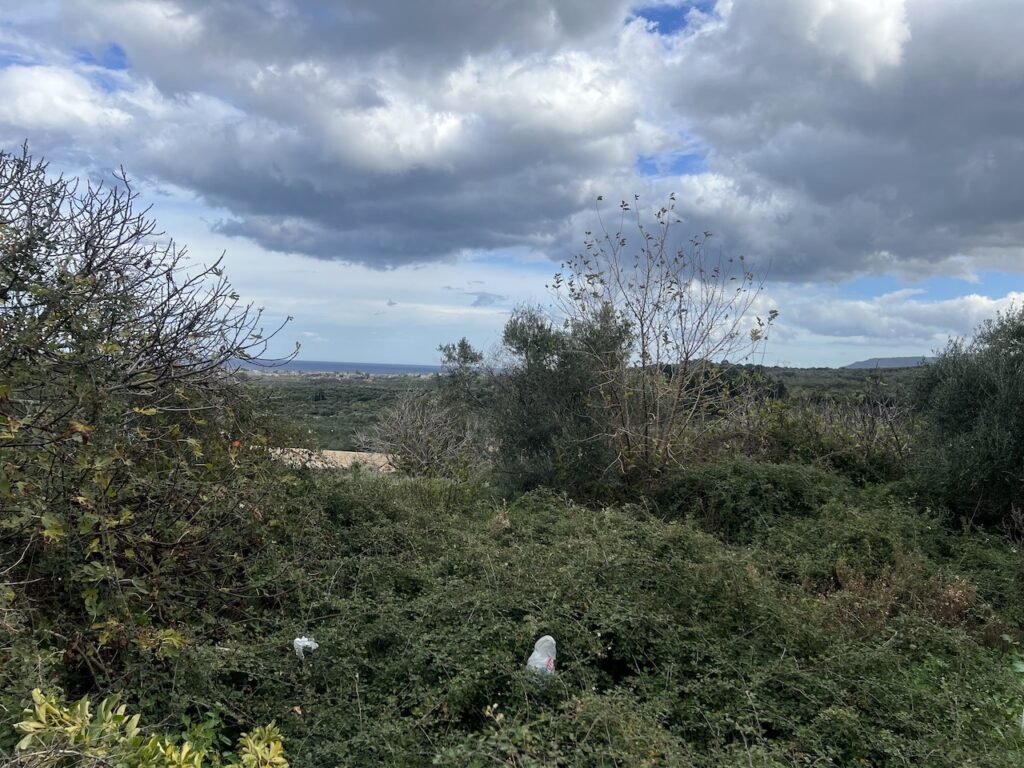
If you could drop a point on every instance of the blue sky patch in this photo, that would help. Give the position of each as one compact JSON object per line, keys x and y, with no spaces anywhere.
{"x":107,"y":82}
{"x":936,"y":288}
{"x":670,"y":19}
{"x":9,"y":58}
{"x":110,"y":56}
{"x":673,"y":164}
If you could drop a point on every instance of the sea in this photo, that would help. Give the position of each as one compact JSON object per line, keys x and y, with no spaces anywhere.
{"x":329,"y":366}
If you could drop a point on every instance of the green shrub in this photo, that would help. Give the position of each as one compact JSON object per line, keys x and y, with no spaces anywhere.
{"x":57,"y":735}
{"x":546,"y":418}
{"x":826,"y":640}
{"x":864,"y":537}
{"x":740,"y":498}
{"x":674,"y":648}
{"x":973,"y":399}
{"x":132,"y":469}
{"x":867,"y":437}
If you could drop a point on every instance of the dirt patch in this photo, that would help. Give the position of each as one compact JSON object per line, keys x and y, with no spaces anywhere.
{"x":334,"y":459}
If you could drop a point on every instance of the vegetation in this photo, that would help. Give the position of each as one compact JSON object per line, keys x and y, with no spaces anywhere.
{"x":323,"y":411}
{"x":816,"y":383}
{"x":423,"y":435}
{"x":654,"y":324}
{"x":130,"y":464}
{"x":58,"y":735}
{"x":777,"y":578}
{"x":974,"y":398}
{"x":634,"y":384}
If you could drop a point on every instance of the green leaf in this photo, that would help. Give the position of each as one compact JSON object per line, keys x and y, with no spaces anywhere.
{"x":53,"y":528}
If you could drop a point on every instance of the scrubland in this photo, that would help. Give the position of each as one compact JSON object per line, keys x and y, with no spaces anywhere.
{"x":737,"y":570}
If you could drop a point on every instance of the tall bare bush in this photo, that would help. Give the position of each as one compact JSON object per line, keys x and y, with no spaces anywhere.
{"x":688,"y":311}
{"x":425,"y":436}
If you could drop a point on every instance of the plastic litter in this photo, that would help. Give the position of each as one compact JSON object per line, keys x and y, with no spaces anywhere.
{"x":303,"y":644}
{"x":542,"y":660}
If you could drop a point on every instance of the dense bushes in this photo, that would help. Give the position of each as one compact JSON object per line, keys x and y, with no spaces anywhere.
{"x":848,"y":633}
{"x":739,"y":498}
{"x":853,"y":631}
{"x":973,"y":397}
{"x":735,"y":612}
{"x":549,"y":419}
{"x":131,"y":469}
{"x":865,"y":436}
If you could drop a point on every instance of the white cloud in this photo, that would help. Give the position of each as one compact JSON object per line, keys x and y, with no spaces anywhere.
{"x":904,"y":322}
{"x":47,"y":98}
{"x":832,"y":146}
{"x":571,"y":94}
{"x":868,"y":35}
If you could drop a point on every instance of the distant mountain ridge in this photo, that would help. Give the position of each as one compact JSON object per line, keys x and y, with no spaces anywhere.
{"x":892,"y":362}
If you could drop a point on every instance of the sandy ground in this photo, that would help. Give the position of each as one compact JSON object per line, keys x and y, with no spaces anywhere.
{"x":334,"y":459}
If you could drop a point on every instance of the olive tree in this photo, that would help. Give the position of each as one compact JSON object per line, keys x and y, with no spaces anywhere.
{"x":972,"y":395}
{"x":549,"y":429}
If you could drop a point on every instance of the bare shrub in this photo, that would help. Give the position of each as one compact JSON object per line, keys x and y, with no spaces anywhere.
{"x":866,"y":438}
{"x":423,"y":436}
{"x":688,"y":310}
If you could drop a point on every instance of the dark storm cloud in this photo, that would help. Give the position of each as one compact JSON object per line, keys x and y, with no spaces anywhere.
{"x":879,"y":135}
{"x":840,"y":137}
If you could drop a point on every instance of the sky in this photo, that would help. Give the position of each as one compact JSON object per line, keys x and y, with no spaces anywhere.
{"x":396,"y":174}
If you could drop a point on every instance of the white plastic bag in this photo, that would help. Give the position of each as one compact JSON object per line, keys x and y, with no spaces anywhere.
{"x":542,"y":660}
{"x":303,"y":644}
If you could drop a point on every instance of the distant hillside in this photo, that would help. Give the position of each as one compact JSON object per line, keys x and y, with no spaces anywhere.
{"x":892,"y":362}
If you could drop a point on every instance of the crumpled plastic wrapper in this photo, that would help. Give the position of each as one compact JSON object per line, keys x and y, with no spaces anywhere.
{"x":303,"y":644}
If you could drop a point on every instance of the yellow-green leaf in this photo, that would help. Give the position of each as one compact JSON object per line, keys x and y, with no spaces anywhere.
{"x":53,"y":528}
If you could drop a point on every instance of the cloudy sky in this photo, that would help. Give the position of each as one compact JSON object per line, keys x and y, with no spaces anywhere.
{"x":398,"y":173}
